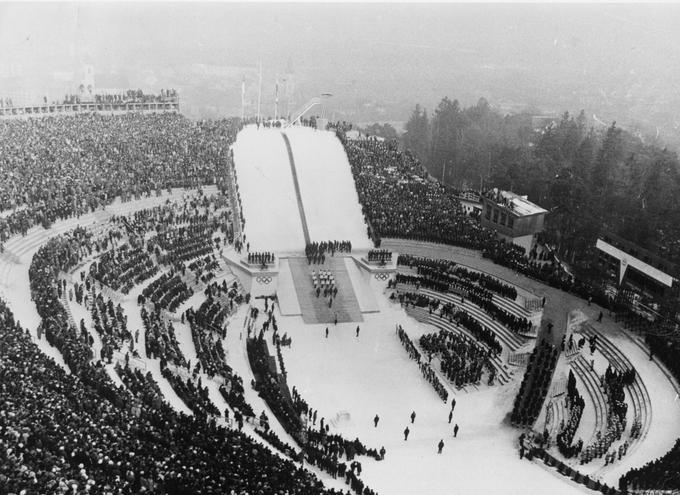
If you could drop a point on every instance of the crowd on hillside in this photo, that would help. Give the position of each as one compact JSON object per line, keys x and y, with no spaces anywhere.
{"x":79,"y":433}
{"x":399,"y":199}
{"x":53,"y":168}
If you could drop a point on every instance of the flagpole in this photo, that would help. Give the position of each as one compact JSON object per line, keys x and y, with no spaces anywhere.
{"x":276,"y":100}
{"x":243,"y":99}
{"x":259,"y":94}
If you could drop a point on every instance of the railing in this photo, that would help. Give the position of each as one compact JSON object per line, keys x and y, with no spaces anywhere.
{"x":75,"y":108}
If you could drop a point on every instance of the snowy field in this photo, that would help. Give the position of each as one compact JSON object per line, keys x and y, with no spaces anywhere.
{"x":329,"y":196}
{"x":268,"y":197}
{"x":350,"y":380}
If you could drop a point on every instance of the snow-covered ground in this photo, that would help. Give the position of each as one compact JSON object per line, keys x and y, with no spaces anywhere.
{"x":268,"y":199}
{"x":350,"y":379}
{"x":329,"y":196}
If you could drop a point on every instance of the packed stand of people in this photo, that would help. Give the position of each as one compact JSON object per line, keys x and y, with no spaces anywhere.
{"x":574,"y":404}
{"x":80,"y":433}
{"x":207,"y":331}
{"x":161,"y":342}
{"x":123,"y":267}
{"x":110,"y":323}
{"x":176,"y":245}
{"x":443,"y":276}
{"x":535,"y":384}
{"x":192,"y":392}
{"x":455,"y":315}
{"x":613,"y":383}
{"x":54,"y":168}
{"x":166,"y":292}
{"x":463,"y":361}
{"x":427,"y":372}
{"x":129,"y":96}
{"x":446,"y":266}
{"x":399,"y":199}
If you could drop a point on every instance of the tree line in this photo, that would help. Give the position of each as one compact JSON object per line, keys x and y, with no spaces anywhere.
{"x":590,"y":179}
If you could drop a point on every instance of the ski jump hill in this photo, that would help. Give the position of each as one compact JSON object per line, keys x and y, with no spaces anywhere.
{"x":296,"y":187}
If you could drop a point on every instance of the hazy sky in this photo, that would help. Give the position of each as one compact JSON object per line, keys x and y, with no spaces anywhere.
{"x":390,"y":56}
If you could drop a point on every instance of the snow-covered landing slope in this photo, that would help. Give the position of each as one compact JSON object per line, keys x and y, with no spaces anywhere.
{"x":329,"y":196}
{"x":268,"y":197}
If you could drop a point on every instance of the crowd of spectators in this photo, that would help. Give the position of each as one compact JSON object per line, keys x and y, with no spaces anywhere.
{"x":166,"y":292}
{"x":462,"y":360}
{"x":58,"y":167}
{"x":400,"y":199}
{"x":430,"y":265}
{"x":129,"y":96}
{"x":445,"y":276}
{"x":161,"y":342}
{"x":123,"y":267}
{"x":535,"y":384}
{"x":427,"y":372}
{"x":110,"y":323}
{"x":207,"y":332}
{"x":79,"y":433}
{"x":574,"y":404}
{"x":613,"y":383}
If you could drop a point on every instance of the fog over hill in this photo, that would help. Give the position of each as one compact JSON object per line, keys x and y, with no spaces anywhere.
{"x":618,"y":62}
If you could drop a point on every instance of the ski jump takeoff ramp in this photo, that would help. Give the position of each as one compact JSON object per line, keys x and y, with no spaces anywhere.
{"x":296,"y":187}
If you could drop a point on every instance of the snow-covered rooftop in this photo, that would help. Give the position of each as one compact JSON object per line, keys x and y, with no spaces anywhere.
{"x":519,"y":204}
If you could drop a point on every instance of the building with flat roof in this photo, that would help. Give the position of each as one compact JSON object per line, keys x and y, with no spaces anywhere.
{"x":512,"y":216}
{"x":637,"y":276}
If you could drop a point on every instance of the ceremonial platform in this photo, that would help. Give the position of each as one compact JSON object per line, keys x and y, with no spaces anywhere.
{"x":316,"y":309}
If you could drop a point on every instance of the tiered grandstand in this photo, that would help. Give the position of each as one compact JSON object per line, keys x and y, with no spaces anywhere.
{"x":218,"y":308}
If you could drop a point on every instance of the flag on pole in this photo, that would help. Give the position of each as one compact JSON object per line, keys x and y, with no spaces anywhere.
{"x":276,"y":100}
{"x":243,"y":98}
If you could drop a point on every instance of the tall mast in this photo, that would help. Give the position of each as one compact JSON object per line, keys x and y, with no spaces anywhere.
{"x":276,"y":99}
{"x":259,"y":94}
{"x":243,"y":99}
